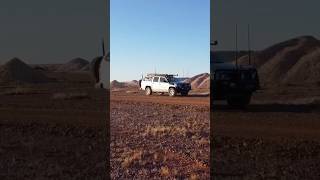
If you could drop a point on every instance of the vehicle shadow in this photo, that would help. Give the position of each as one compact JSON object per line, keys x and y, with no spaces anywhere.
{"x":180,"y":96}
{"x":197,"y":95}
{"x":299,"y":108}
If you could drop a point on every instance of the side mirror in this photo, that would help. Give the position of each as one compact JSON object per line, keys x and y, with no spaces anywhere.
{"x":214,"y":43}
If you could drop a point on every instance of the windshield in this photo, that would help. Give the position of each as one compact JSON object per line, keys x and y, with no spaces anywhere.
{"x":233,"y":75}
{"x":249,"y":75}
{"x":224,"y":75}
{"x":171,"y":79}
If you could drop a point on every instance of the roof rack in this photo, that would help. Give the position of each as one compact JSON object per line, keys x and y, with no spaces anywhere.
{"x":155,"y":74}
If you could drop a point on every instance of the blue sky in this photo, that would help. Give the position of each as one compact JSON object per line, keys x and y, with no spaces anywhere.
{"x":167,"y":36}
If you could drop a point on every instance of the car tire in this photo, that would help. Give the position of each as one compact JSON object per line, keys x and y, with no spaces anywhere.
{"x":140,"y":83}
{"x":172,"y":92}
{"x":185,"y":93}
{"x":148,"y":91}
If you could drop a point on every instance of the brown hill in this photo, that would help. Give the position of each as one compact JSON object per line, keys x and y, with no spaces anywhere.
{"x":117,"y":84}
{"x":77,"y":64}
{"x":295,"y":61}
{"x":16,"y":70}
{"x":200,"y":81}
{"x":131,"y":84}
{"x":205,"y":84}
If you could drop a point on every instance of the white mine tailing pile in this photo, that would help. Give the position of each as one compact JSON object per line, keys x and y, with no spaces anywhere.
{"x":77,"y":64}
{"x":296,"y":61}
{"x":15,"y":70}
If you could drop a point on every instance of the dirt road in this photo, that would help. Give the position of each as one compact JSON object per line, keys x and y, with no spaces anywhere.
{"x":198,"y":99}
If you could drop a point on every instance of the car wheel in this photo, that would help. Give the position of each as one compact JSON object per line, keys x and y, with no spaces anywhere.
{"x":184,"y":93}
{"x":148,"y":91}
{"x":172,"y":92}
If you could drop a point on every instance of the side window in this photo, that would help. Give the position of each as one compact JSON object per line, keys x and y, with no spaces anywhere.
{"x":146,"y":79}
{"x":155,"y":79}
{"x":162,"y":79}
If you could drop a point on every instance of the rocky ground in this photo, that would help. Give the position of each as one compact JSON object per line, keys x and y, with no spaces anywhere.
{"x":54,"y":130}
{"x":259,"y":158}
{"x":276,"y":137}
{"x":159,"y":137}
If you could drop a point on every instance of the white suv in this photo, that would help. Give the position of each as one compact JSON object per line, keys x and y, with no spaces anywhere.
{"x":163,"y":83}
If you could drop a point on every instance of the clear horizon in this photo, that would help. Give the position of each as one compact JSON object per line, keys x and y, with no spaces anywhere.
{"x":160,"y":36}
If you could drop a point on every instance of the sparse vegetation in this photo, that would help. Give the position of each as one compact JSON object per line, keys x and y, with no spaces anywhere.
{"x":165,"y":130}
{"x":131,"y":157}
{"x":19,"y":90}
{"x":164,"y":171}
{"x":47,"y":138}
{"x":71,"y":96}
{"x":151,"y":140}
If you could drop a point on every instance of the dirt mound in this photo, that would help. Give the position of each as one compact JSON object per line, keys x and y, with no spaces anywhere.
{"x":117,"y":84}
{"x":205,"y":84}
{"x":200,"y":81}
{"x":77,"y":64}
{"x":295,"y":61}
{"x":133,"y":83}
{"x":129,"y":84}
{"x":15,"y":70}
{"x":306,"y":70}
{"x":85,"y":68}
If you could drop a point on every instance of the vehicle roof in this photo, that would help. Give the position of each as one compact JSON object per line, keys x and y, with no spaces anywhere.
{"x":164,"y":75}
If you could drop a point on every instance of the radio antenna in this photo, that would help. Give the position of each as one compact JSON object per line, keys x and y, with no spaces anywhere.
{"x":103,"y":49}
{"x":236,"y":44}
{"x":249,"y":45}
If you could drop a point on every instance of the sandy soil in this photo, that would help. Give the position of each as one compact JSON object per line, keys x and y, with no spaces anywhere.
{"x":159,"y":137}
{"x":55,"y":130}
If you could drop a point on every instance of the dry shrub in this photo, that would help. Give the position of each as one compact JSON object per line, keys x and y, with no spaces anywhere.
{"x":165,"y":130}
{"x":194,"y":177}
{"x":19,"y":91}
{"x":164,"y":171}
{"x":200,"y":165}
{"x":71,"y":96}
{"x":203,"y":141}
{"x":129,"y":160}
